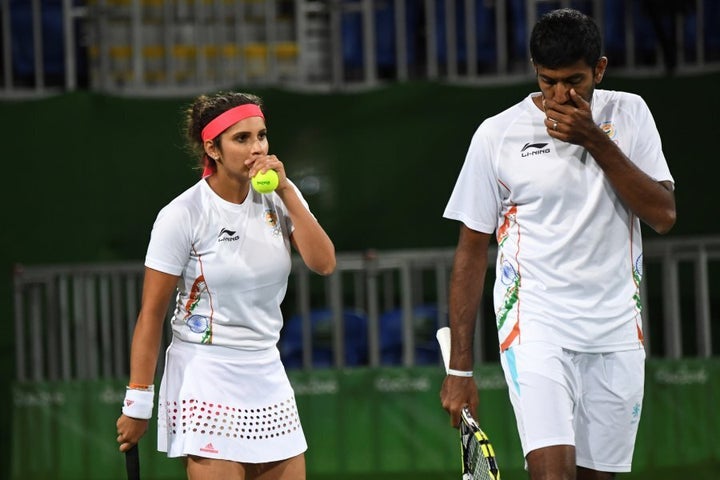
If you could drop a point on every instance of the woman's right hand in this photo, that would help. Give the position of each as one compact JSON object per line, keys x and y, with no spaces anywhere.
{"x":129,"y":431}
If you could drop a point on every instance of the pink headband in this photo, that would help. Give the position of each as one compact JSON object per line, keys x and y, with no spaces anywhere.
{"x":230,"y":117}
{"x":222,"y":122}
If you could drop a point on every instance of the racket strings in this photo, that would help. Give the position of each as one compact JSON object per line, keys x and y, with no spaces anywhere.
{"x":478,"y":456}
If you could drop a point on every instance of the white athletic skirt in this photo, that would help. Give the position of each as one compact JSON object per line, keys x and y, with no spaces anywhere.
{"x":226,"y":403}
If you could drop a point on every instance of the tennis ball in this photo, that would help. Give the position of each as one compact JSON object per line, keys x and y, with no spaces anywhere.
{"x":265,"y":182}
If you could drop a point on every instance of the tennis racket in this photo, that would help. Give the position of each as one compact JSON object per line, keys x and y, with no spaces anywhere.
{"x":132,"y":463}
{"x":477,"y":453}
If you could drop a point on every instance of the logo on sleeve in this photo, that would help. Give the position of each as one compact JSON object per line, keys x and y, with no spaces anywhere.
{"x":531,"y":149}
{"x":226,"y":235}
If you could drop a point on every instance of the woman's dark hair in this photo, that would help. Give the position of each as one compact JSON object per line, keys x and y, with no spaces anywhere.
{"x":203,"y":110}
{"x":562,"y":37}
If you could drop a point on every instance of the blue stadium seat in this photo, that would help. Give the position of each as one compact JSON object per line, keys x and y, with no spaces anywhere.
{"x":484,"y":32}
{"x":352,"y":46}
{"x":385,"y":45}
{"x":426,"y":323}
{"x":646,"y":39}
{"x":712,"y":35}
{"x":614,"y":30}
{"x":356,"y":340}
{"x":23,"y":54}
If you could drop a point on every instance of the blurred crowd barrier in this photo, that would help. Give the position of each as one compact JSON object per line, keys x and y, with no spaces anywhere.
{"x":175,"y":47}
{"x":75,"y":322}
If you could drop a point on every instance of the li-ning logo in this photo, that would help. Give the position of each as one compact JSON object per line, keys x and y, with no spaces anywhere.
{"x":538,"y":149}
{"x":229,"y":235}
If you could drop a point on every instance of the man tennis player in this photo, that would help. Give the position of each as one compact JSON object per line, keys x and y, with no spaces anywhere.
{"x":563,"y":179}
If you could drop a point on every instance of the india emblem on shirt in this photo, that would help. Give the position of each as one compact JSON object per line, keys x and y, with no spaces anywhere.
{"x":197,"y":323}
{"x":608,"y":128}
{"x":271,"y":219}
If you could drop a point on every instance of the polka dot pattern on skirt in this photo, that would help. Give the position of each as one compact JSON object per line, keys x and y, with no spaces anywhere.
{"x":208,"y":418}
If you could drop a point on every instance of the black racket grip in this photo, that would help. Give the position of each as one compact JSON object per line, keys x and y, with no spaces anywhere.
{"x":132,"y":463}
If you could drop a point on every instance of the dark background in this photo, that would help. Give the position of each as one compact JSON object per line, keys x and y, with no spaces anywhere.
{"x":87,"y":172}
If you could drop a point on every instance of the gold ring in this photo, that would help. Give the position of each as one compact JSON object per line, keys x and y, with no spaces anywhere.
{"x":555,"y":126}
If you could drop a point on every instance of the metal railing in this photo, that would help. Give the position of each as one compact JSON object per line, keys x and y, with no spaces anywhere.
{"x":76,"y":321}
{"x":687,"y":268}
{"x":170,"y":47}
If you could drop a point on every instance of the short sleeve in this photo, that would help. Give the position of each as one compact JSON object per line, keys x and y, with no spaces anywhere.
{"x":647,"y":151}
{"x":475,"y":199}
{"x":170,"y":241}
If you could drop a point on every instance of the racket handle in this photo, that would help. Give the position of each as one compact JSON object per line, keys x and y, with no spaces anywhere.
{"x":132,"y":463}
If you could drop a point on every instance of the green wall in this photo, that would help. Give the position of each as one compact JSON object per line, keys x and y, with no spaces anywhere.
{"x":87,"y":172}
{"x":368,"y":424}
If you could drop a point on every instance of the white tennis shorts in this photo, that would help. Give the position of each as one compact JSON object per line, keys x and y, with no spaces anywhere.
{"x":227,"y":403}
{"x":590,"y":400}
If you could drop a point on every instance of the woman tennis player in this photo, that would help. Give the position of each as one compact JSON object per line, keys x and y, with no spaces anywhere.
{"x":225,"y":405}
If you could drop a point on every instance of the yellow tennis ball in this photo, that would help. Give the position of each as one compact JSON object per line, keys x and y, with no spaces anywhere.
{"x":265,"y":182}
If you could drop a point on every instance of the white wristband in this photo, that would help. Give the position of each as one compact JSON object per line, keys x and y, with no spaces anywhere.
{"x":459,"y":373}
{"x":138,"y":403}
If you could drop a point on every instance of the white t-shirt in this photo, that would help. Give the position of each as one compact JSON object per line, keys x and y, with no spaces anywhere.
{"x":569,"y":258}
{"x":233,"y":262}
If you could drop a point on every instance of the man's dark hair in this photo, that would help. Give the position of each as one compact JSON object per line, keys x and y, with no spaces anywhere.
{"x":562,"y":37}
